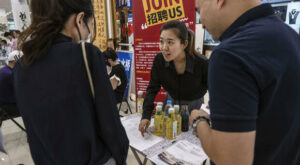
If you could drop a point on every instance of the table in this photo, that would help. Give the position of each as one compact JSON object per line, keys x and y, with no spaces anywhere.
{"x":151,"y":145}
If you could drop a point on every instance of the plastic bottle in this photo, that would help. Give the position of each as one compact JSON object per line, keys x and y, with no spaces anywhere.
{"x":171,"y":125}
{"x":140,"y":102}
{"x":185,"y":118}
{"x":161,"y":104}
{"x":169,"y":105}
{"x":178,"y":118}
{"x":158,"y":121}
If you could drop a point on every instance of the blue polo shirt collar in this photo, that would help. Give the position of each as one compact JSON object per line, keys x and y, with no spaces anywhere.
{"x":252,"y":14}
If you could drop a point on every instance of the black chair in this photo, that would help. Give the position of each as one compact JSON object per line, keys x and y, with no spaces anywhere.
{"x":4,"y":115}
{"x":125,"y":100}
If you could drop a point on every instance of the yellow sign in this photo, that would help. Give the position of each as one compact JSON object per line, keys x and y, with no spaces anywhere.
{"x":101,"y":30}
{"x":161,"y":11}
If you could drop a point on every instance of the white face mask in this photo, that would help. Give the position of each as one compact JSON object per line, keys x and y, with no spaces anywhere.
{"x":87,"y":40}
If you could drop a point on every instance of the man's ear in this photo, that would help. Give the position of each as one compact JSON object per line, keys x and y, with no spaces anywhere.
{"x":79,"y":18}
{"x":220,"y":3}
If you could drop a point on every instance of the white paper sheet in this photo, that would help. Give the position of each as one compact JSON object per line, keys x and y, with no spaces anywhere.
{"x":184,"y":152}
{"x":203,"y":106}
{"x":136,"y":140}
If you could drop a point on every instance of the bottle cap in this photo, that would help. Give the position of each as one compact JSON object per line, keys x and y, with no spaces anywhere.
{"x":160,"y":103}
{"x":171,"y":110}
{"x":140,"y":92}
{"x":176,"y":106}
{"x":169,"y":101}
{"x":158,"y":107}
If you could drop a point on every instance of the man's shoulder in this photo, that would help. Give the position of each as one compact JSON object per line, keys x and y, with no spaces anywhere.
{"x":258,"y":36}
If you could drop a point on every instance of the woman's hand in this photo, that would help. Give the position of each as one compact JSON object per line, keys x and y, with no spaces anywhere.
{"x":144,"y":124}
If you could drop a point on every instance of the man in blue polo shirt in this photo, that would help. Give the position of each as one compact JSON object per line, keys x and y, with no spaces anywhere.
{"x":7,"y":97}
{"x":254,"y":86}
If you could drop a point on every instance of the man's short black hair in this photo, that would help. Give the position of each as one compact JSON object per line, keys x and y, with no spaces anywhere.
{"x":109,"y":53}
{"x":4,"y":41}
{"x":6,"y":34}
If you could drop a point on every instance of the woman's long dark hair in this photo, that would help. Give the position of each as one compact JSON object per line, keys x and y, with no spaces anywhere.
{"x":48,"y":19}
{"x":184,"y":34}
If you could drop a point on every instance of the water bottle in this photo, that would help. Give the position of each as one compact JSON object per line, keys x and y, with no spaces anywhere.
{"x":169,"y":105}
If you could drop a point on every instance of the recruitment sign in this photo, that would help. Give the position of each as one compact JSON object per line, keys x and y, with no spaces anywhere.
{"x":148,"y":17}
{"x":161,"y":11}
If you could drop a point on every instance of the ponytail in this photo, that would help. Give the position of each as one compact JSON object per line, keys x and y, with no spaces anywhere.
{"x":190,"y":49}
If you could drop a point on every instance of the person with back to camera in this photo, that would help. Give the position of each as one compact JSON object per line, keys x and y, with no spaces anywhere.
{"x":65,"y":124}
{"x":117,"y":76}
{"x":254,"y":86}
{"x":179,"y":69}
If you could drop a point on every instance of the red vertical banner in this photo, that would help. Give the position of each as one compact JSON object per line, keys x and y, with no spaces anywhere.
{"x":148,"y":17}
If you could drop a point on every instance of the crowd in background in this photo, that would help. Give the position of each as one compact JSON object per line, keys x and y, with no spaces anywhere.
{"x":9,"y":43}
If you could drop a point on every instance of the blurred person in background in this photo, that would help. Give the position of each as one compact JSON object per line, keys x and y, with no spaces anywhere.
{"x":64,"y":123}
{"x":5,"y":48}
{"x":16,"y":34}
{"x":9,"y":38}
{"x":117,"y":76}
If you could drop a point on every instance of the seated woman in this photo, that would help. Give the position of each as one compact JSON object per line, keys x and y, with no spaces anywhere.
{"x":117,"y":76}
{"x":179,"y":69}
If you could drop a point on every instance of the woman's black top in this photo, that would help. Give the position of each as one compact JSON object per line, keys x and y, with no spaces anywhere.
{"x":190,"y":85}
{"x":63,"y":123}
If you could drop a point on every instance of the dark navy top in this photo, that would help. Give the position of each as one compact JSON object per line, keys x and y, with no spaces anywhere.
{"x":64,"y":126}
{"x":6,"y":86}
{"x":254,"y":85}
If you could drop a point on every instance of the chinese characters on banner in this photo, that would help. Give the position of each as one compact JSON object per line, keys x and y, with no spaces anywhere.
{"x":101,"y":30}
{"x":125,"y":58}
{"x":21,"y":14}
{"x":158,"y":12}
{"x":148,"y":17}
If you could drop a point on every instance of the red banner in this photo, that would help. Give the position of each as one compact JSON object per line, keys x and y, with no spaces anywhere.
{"x":148,"y":17}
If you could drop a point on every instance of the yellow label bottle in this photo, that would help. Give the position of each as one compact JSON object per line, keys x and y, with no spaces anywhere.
{"x":158,"y":122}
{"x":140,"y":102}
{"x":178,"y":118}
{"x":171,"y":125}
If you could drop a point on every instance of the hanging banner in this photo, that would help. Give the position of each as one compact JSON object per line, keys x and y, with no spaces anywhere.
{"x":121,"y":3}
{"x":125,"y":58}
{"x":129,"y":4}
{"x":21,"y":14}
{"x":293,"y":16}
{"x":3,"y":21}
{"x":101,"y":30}
{"x":148,"y":17}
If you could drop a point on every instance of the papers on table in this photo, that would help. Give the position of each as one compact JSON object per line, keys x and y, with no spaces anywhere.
{"x":136,"y":140}
{"x":182,"y":152}
{"x":203,"y":106}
